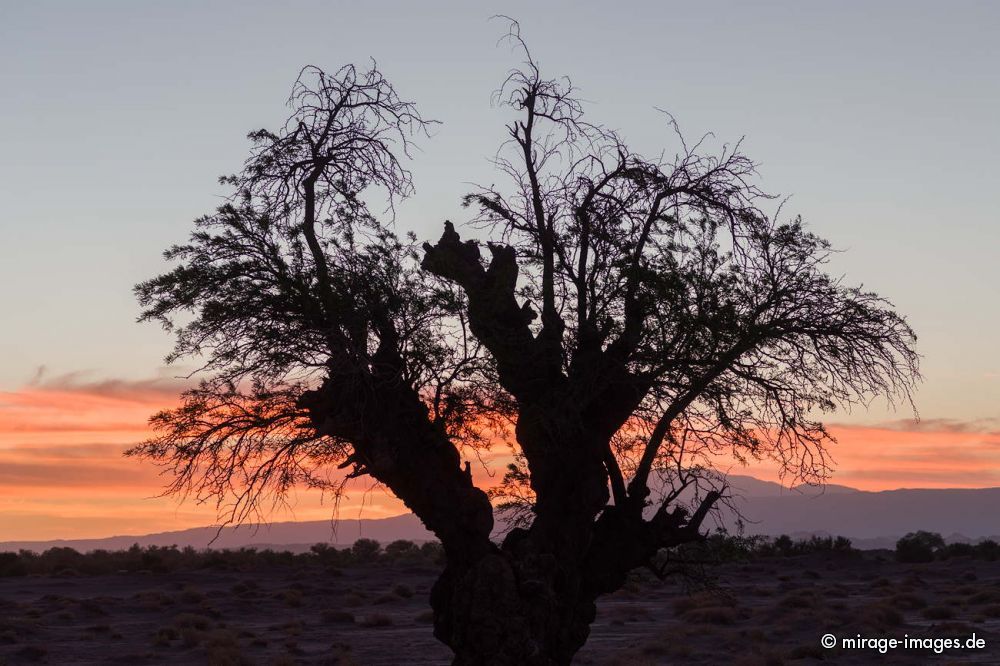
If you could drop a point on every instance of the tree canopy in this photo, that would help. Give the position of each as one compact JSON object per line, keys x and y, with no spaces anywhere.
{"x":625,"y":319}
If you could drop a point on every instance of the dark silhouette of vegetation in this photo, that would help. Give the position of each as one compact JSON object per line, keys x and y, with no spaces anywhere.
{"x":785,"y":546}
{"x":924,"y":546}
{"x":696,"y":561}
{"x":717,"y":548}
{"x":987,"y":549}
{"x":63,"y":561}
{"x":918,"y":546}
{"x":623,"y":320}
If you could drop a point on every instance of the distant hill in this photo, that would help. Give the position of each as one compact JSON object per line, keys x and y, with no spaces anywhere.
{"x":862,"y":515}
{"x":297,"y":536}
{"x":870,"y":519}
{"x":748,"y":486}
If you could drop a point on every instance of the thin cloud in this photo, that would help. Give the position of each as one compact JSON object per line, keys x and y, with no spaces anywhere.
{"x":68,"y":406}
{"x":99,"y":476}
{"x":984,"y":425}
{"x":142,"y":390}
{"x":99,"y":467}
{"x":945,"y":454}
{"x":943,"y":477}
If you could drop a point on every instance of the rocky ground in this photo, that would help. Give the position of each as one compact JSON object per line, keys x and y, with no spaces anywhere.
{"x":769,"y":611}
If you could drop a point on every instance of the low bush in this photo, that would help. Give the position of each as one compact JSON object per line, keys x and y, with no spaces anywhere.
{"x":62,"y":561}
{"x":919,"y":547}
{"x":375,"y":620}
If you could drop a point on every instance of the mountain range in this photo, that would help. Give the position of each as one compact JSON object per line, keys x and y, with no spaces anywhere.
{"x":869,"y":519}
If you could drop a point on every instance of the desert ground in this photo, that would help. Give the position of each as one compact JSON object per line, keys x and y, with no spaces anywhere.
{"x":771,"y":610}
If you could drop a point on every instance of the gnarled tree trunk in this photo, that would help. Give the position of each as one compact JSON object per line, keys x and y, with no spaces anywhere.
{"x":514,"y":606}
{"x":530,"y":602}
{"x":531,"y":599}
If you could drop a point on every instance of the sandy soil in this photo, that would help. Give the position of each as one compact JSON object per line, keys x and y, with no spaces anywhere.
{"x":772,"y":611}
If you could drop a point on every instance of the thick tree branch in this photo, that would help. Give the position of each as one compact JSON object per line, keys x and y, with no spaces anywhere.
{"x":494,"y":315}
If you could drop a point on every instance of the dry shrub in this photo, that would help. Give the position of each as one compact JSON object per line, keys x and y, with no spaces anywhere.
{"x":686,"y":603}
{"x":952,"y":629}
{"x":879,"y":617}
{"x":633,"y":659}
{"x":334,"y":615}
{"x":193,"y":621}
{"x":807,"y":652}
{"x":763,"y":659}
{"x":622,"y":613}
{"x":353,"y":600}
{"x":402,"y":590}
{"x":712,"y":615}
{"x":206,"y":608}
{"x":988,"y":596}
{"x":992,"y":610}
{"x":191,"y":636}
{"x":164,"y":635}
{"x":800,"y":599}
{"x":152,"y":599}
{"x":707,"y":608}
{"x":375,"y":620}
{"x":292,"y":597}
{"x":32,"y":653}
{"x":222,"y":648}
{"x":836,"y":592}
{"x":92,"y":607}
{"x":191,"y":595}
{"x":938,"y":613}
{"x":339,"y":654}
{"x":907,"y":601}
{"x":291,"y":628}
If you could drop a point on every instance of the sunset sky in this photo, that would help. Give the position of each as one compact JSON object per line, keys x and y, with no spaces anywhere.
{"x":878,"y":120}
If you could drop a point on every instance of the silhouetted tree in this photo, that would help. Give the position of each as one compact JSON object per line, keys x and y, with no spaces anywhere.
{"x":919,"y":546}
{"x":632,"y":317}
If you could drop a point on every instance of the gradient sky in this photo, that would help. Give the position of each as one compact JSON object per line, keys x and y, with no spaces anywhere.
{"x":878,"y":119}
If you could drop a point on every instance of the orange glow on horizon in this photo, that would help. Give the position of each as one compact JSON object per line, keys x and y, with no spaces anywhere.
{"x":62,"y":474}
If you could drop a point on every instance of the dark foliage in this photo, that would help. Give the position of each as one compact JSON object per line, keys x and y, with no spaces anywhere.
{"x":785,"y":546}
{"x":155,"y":559}
{"x":987,"y":549}
{"x":923,"y":546}
{"x":919,"y":546}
